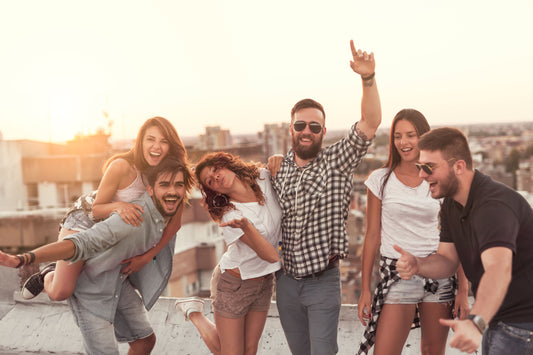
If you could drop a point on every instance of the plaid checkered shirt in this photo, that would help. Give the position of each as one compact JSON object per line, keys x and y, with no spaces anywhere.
{"x":315,"y":201}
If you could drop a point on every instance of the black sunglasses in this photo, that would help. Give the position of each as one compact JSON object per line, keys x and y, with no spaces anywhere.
{"x":314,"y":127}
{"x":428,"y":167}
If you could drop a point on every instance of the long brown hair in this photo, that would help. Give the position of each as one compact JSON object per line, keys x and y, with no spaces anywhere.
{"x":417,"y":119}
{"x":135,"y":155}
{"x":218,"y":204}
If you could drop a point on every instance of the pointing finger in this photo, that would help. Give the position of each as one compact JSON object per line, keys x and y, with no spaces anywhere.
{"x":447,"y":322}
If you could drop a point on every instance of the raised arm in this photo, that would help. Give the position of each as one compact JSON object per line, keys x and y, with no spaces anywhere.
{"x":117,"y":171}
{"x":365,"y":65}
{"x":254,"y":239}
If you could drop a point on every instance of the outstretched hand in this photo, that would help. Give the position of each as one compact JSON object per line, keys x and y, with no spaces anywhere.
{"x":8,"y":260}
{"x":362,"y":63}
{"x":466,"y":336}
{"x":407,"y":264}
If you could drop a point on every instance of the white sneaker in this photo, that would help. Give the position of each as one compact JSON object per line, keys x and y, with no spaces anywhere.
{"x":190,"y":304}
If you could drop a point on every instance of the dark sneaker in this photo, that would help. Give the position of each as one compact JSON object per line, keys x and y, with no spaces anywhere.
{"x":35,"y":283}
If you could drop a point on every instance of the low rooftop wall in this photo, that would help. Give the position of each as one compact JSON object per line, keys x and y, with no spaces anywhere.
{"x":41,"y":326}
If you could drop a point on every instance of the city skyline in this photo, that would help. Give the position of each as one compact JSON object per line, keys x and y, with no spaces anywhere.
{"x":241,"y":64}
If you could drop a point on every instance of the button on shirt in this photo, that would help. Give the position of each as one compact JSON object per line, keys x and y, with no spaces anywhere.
{"x":315,"y":201}
{"x":109,"y":242}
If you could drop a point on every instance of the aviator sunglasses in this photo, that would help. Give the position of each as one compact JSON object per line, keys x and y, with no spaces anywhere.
{"x":428,"y":167}
{"x":314,"y":127}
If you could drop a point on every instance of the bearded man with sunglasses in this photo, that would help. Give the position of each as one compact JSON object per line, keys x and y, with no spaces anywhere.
{"x":314,"y":186}
{"x":488,"y":227}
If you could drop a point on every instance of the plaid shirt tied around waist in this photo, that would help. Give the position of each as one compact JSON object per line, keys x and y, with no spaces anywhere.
{"x":389,"y":275}
{"x":315,"y":201}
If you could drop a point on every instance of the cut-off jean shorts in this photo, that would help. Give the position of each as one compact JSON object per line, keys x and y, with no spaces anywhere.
{"x":234,"y":297}
{"x":100,"y":336}
{"x":412,"y":292}
{"x":77,"y":221}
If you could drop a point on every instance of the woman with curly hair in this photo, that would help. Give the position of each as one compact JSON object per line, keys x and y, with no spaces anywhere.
{"x":240,"y":198}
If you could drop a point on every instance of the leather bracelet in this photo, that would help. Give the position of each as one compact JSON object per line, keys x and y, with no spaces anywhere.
{"x":21,"y":261}
{"x":32,"y":257}
{"x":26,"y":258}
{"x":366,"y":78}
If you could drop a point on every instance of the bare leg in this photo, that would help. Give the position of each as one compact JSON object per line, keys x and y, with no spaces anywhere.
{"x":254,"y":325}
{"x":231,"y":335}
{"x":207,"y":330}
{"x":434,"y":335}
{"x":393,"y":328}
{"x":142,"y":346}
{"x":60,"y":284}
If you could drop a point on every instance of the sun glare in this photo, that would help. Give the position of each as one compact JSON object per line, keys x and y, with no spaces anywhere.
{"x":71,"y":111}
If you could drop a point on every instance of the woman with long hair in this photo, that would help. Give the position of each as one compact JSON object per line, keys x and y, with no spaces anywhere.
{"x":400,"y":211}
{"x":240,"y":198}
{"x":122,"y":182}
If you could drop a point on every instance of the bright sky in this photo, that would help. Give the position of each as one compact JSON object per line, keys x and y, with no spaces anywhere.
{"x":243,"y":63}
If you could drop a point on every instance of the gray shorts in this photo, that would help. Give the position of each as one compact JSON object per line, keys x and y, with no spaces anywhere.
{"x":235,"y":297}
{"x":412,"y":292}
{"x":77,"y":221}
{"x":100,"y":336}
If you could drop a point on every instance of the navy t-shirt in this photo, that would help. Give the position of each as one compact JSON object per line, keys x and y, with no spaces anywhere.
{"x":494,"y":216}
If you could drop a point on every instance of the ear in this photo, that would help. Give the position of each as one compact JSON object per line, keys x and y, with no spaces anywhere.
{"x":459,"y":167}
{"x":150,"y":190}
{"x":324,"y":131}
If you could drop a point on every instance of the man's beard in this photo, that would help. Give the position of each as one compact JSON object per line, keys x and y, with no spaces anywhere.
{"x":448,"y":187}
{"x":306,"y":152}
{"x":161,"y":209}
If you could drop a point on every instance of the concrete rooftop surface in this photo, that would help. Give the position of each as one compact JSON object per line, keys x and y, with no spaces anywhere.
{"x":41,"y":326}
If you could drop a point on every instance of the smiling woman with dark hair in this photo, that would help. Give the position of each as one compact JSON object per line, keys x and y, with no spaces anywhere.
{"x":400,"y":210}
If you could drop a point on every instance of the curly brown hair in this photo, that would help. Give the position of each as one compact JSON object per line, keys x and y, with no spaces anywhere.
{"x":248,"y":172}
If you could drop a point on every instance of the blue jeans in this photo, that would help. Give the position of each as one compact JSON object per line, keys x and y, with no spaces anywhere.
{"x":502,"y":338}
{"x":309,"y":312}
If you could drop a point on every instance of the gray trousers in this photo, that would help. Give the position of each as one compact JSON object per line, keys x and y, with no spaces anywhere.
{"x":309,"y":312}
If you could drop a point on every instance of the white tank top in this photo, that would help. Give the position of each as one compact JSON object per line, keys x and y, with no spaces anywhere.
{"x":131,"y":192}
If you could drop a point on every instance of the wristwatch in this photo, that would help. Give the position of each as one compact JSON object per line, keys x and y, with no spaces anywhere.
{"x":479,"y":322}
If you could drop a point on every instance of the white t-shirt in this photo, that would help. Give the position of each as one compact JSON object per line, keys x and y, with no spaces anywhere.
{"x":409,"y":216}
{"x":266,"y":219}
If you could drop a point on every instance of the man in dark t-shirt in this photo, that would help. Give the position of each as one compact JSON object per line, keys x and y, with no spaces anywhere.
{"x":488,"y":227}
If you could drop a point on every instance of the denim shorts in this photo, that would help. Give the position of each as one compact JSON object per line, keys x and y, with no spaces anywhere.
{"x":412,"y":292}
{"x":100,"y":336}
{"x":235,"y":297}
{"x":77,"y":221}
